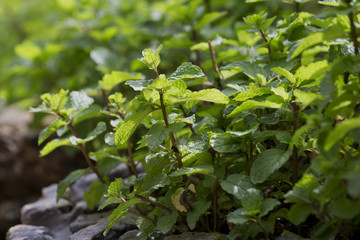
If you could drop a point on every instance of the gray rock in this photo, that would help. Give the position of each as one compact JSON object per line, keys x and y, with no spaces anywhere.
{"x":193,"y":236}
{"x":130,"y":235}
{"x":86,"y":220}
{"x":27,"y":232}
{"x":95,"y":232}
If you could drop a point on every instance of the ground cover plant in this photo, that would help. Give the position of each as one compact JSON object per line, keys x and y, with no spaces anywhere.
{"x":253,"y":135}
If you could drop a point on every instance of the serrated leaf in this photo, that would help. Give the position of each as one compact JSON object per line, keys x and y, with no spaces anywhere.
{"x":238,"y":216}
{"x":237,"y":185}
{"x":91,"y":112}
{"x":311,"y":71}
{"x":200,"y":207}
{"x":115,"y":188}
{"x":68,"y":180}
{"x":266,"y":163}
{"x":117,"y":99}
{"x":80,"y":100}
{"x":93,"y":196}
{"x":207,"y":19}
{"x":344,"y":208}
{"x":150,"y":58}
{"x":318,"y":37}
{"x":248,"y":68}
{"x":340,"y":131}
{"x":285,"y":73}
{"x":54,"y":101}
{"x":251,"y":201}
{"x":156,"y":181}
{"x":187,"y":71}
{"x":208,"y":95}
{"x":139,"y":85}
{"x":299,"y":212}
{"x":120,"y":211}
{"x":226,"y":142}
{"x":268,"y":205}
{"x":127,"y":127}
{"x":192,"y":170}
{"x":52,"y":145}
{"x":115,"y":77}
{"x":46,"y":132}
{"x":251,"y":104}
{"x":156,"y":135}
{"x":166,"y":222}
{"x":252,"y":92}
{"x":107,"y":202}
{"x":99,"y":129}
{"x":305,"y":97}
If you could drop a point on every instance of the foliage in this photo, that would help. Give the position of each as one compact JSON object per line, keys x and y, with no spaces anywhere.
{"x":265,"y":145}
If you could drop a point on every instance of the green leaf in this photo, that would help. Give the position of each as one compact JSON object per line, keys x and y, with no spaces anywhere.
{"x":344,"y":208}
{"x":266,"y":163}
{"x":255,"y":20}
{"x":285,"y":73}
{"x":268,"y":205}
{"x":226,"y":142}
{"x":46,"y":132}
{"x":109,"y":81}
{"x":93,"y":196}
{"x":299,"y":212}
{"x":192,"y":170}
{"x":318,"y":37}
{"x":311,"y":71}
{"x":237,"y":185}
{"x":238,"y":216}
{"x":108,"y":201}
{"x":166,"y":222}
{"x":305,"y":97}
{"x":80,"y":100}
{"x":55,"y":101}
{"x":99,"y":129}
{"x":252,"y":92}
{"x":340,"y":131}
{"x":187,"y":71}
{"x":155,"y":180}
{"x":248,"y":68}
{"x":127,"y":127}
{"x":139,"y":85}
{"x":251,"y":201}
{"x":120,"y":211}
{"x":207,"y":19}
{"x":251,"y":104}
{"x":150,"y":58}
{"x":208,"y":95}
{"x":115,"y":188}
{"x":90,"y":112}
{"x":117,"y":99}
{"x":52,"y":145}
{"x":200,"y":207}
{"x":68,"y":180}
{"x":28,"y":50}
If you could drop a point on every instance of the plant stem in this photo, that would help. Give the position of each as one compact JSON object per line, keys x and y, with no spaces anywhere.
{"x":295,"y":110}
{"x":131,"y":164}
{"x":297,"y":6}
{"x":85,"y":154}
{"x":215,"y":197}
{"x":262,"y":227}
{"x":154,"y":203}
{"x":196,"y":39}
{"x":353,"y":32}
{"x":133,"y":210}
{"x":250,"y":153}
{"x":267,"y":43}
{"x":217,"y":74}
{"x":172,"y":137}
{"x":185,"y":115}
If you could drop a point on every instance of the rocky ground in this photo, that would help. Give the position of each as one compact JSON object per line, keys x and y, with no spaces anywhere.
{"x":22,"y":172}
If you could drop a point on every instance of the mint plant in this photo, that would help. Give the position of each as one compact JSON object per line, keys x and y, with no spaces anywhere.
{"x":258,"y":141}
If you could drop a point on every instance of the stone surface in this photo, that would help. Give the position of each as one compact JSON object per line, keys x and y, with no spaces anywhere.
{"x":193,"y":236}
{"x":26,"y":232}
{"x":130,"y":235}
